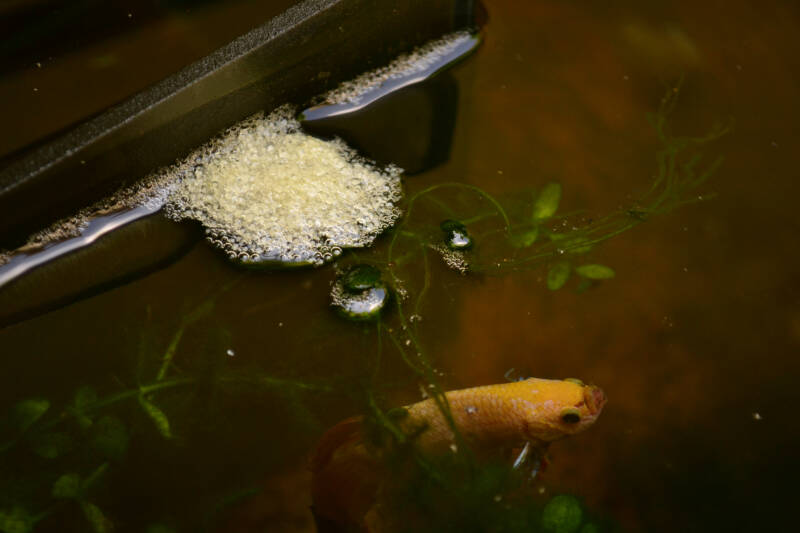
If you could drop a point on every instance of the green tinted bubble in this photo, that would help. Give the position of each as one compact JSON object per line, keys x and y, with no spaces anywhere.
{"x":455,"y":235}
{"x":360,"y":278}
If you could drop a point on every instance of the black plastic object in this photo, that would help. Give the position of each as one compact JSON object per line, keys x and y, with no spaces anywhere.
{"x":408,"y":120}
{"x":127,"y":253}
{"x":411,"y":128}
{"x":305,"y":51}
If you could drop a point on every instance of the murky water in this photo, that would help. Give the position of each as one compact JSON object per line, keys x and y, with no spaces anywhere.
{"x":695,"y":339}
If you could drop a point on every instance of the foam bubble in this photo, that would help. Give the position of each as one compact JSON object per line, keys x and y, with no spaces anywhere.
{"x":416,"y":61}
{"x":454,"y":259}
{"x":150,"y":193}
{"x":267,"y":192}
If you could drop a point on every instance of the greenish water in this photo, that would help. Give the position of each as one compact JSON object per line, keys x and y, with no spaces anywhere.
{"x":192,"y":398}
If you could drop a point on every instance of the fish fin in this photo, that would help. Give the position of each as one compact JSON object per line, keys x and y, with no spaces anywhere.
{"x":345,"y":476}
{"x":345,"y":432}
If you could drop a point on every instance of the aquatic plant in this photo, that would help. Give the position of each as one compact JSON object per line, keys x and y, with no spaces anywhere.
{"x":511,"y":235}
{"x":65,"y":452}
{"x":78,"y":444}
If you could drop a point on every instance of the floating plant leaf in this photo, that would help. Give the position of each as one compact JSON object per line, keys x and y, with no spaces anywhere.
{"x":16,"y":520}
{"x":558,"y":275}
{"x":110,"y":437}
{"x":546,"y":203}
{"x":594,"y":271}
{"x":95,"y":517}
{"x":51,"y":445}
{"x":68,"y":487}
{"x":157,"y":416}
{"x":562,"y":514}
{"x":27,"y":412}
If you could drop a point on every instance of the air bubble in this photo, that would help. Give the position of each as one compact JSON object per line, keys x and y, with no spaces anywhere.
{"x":455,"y":235}
{"x":405,"y":65}
{"x":359,"y":293}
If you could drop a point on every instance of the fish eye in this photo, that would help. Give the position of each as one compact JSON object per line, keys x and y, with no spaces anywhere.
{"x":576,"y":381}
{"x":571,"y":416}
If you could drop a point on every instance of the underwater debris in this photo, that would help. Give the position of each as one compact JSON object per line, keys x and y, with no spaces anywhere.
{"x":360,"y":293}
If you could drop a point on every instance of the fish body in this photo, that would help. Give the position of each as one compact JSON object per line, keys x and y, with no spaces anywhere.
{"x":347,"y":467}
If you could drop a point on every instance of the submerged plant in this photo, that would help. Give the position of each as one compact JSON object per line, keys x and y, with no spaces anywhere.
{"x":509,"y":236}
{"x":78,"y":444}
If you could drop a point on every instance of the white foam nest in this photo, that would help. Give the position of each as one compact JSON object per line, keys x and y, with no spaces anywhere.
{"x":266,"y":191}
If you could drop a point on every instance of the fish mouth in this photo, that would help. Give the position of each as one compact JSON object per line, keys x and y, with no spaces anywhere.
{"x":595,"y":399}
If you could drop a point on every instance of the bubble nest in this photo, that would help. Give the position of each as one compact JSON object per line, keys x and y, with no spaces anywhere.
{"x":268,"y":193}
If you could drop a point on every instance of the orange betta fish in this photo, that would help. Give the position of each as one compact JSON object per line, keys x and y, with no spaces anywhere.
{"x":346,"y":469}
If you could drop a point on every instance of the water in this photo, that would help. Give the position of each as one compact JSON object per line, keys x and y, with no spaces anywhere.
{"x":694,"y":340}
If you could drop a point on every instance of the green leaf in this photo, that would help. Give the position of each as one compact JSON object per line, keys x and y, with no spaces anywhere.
{"x":562,"y":514}
{"x":68,"y":487}
{"x":558,"y":275}
{"x":16,"y":520}
{"x":525,"y":239}
{"x":360,"y":278}
{"x":594,"y":271}
{"x":546,"y":203}
{"x":590,"y":528}
{"x":95,"y":517}
{"x":110,"y":437}
{"x":157,"y":416}
{"x":27,"y":412}
{"x":51,"y":445}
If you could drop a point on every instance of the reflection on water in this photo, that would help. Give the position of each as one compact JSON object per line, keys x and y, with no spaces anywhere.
{"x":694,"y":340}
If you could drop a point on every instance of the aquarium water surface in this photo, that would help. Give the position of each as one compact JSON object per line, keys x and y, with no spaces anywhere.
{"x":615,"y":204}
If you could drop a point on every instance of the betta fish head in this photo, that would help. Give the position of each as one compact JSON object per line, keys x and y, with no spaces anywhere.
{"x":557,"y":408}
